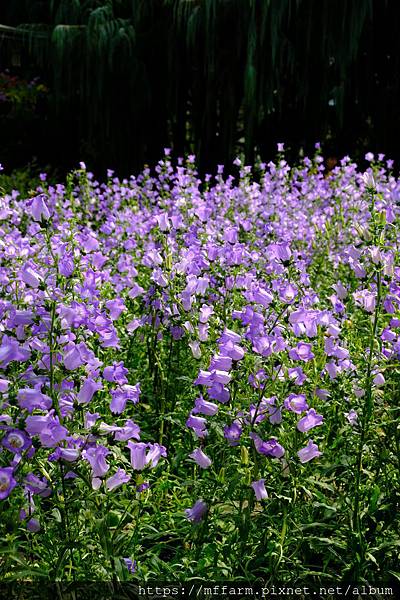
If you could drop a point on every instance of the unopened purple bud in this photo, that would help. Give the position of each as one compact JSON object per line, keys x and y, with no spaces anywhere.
{"x":143,"y":487}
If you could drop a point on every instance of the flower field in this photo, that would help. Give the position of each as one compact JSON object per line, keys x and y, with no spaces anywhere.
{"x":201,"y":377}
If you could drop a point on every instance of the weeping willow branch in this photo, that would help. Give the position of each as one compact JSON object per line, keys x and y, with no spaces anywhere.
{"x":213,"y":77}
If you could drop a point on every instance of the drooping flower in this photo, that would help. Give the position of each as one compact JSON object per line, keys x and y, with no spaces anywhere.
{"x":259,"y":489}
{"x":366,"y":299}
{"x":270,"y":447}
{"x":117,"y":480}
{"x":322,"y":393}
{"x":311,"y":419}
{"x":194,"y":346}
{"x":87,"y":391}
{"x":38,"y":208}
{"x":198,"y":424}
{"x":73,"y":359}
{"x":97,"y":458}
{"x":47,"y":427}
{"x":53,"y":433}
{"x":275,"y":414}
{"x":219,"y":392}
{"x":233,"y":350}
{"x":200,"y":458}
{"x":90,"y":419}
{"x":369,"y":180}
{"x":156,"y":451}
{"x":67,"y":454}
{"x":379,"y":380}
{"x":197,"y":512}
{"x":135,"y":291}
{"x":11,"y":350}
{"x":205,"y":313}
{"x":4,"y":383}
{"x":281,"y":251}
{"x":66,"y":264}
{"x":32,"y":399}
{"x":352,"y":417}
{"x":204,"y":407}
{"x":37,"y":485}
{"x":121,"y":395}
{"x":122,"y":434}
{"x":138,"y":455}
{"x":30,"y":275}
{"x":308,"y":452}
{"x":221,"y":363}
{"x":116,"y":373}
{"x":332,"y":370}
{"x":116,"y":307}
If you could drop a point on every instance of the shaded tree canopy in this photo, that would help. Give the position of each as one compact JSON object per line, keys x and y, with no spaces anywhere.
{"x":127,"y":78}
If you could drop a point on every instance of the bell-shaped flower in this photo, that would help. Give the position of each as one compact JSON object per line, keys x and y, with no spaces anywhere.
{"x":87,"y":391}
{"x":309,"y":452}
{"x":7,"y":482}
{"x":97,"y":458}
{"x":119,"y":478}
{"x":197,"y":512}
{"x":310,"y":420}
{"x":201,"y":458}
{"x":138,"y":455}
{"x":38,"y":208}
{"x":259,"y":489}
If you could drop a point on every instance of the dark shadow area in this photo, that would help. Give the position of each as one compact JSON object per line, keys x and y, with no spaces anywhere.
{"x":114,"y":82}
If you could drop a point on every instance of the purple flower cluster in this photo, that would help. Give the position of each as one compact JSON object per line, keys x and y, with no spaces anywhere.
{"x":254,"y":281}
{"x":66,"y":396}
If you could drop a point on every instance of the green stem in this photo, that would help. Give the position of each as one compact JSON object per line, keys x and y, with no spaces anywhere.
{"x":66,"y":522}
{"x":53,"y":394}
{"x":366,"y":418}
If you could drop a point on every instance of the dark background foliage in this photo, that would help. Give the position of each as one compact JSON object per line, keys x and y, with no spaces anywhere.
{"x":125,"y":78}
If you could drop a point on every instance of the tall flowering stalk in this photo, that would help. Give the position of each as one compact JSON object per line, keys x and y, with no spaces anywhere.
{"x":377,"y":226}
